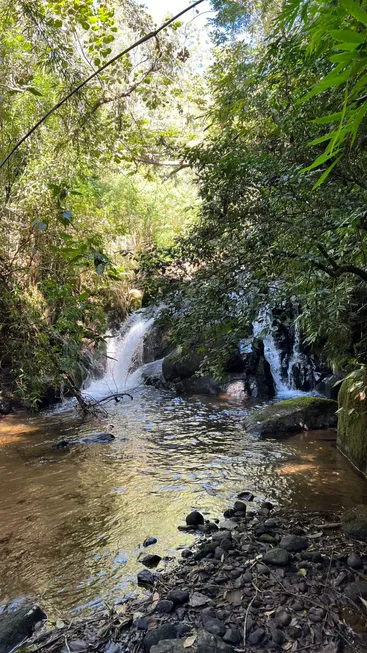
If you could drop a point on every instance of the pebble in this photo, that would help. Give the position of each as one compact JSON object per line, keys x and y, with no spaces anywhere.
{"x":228,"y":514}
{"x":186,"y":553}
{"x":214,"y":625}
{"x":178,"y":596}
{"x":145,"y":578}
{"x":240,"y":506}
{"x":257,"y":637}
{"x":153,"y":637}
{"x":354,"y":561}
{"x":262,"y":569}
{"x":295,"y":632}
{"x":278,"y":557}
{"x":246,"y":495}
{"x":267,"y":505}
{"x":232,"y":636}
{"x":277,"y":636}
{"x":165,"y":606}
{"x":312,"y":556}
{"x":270,"y":523}
{"x":283,"y":618}
{"x":151,"y":560}
{"x":149,"y":541}
{"x":294,"y":543}
{"x":228,"y":525}
{"x":267,"y":539}
{"x":316,"y":615}
{"x":194,"y":518}
{"x":298,"y":606}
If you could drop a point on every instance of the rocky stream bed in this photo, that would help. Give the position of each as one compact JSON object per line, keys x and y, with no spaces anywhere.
{"x":256,"y":580}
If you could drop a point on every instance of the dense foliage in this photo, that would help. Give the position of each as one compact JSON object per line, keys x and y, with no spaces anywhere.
{"x":278,"y":223}
{"x":93,"y":184}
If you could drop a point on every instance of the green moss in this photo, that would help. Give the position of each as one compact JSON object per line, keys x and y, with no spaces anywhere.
{"x":352,"y":423}
{"x":290,"y":405}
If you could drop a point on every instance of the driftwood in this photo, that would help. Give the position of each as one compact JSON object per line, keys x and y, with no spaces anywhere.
{"x":90,"y":406}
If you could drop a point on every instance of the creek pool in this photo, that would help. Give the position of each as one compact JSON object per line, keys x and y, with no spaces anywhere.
{"x":73,"y":521}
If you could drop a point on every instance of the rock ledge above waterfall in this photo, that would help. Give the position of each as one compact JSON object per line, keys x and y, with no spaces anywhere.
{"x":293,"y":415}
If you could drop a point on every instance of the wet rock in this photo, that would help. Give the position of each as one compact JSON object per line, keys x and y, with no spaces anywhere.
{"x":187,"y":553}
{"x":354,"y":522}
{"x":93,"y":438}
{"x":17,"y":624}
{"x":77,"y":645}
{"x":226,"y":544}
{"x":153,"y":637}
{"x":267,"y":505}
{"x":209,"y":643}
{"x":194,"y":518}
{"x":232,"y":636}
{"x":165,"y":606}
{"x":246,"y":495}
{"x":278,"y":557}
{"x":218,"y":537}
{"x":146,"y":578}
{"x":257,"y":637}
{"x":262,"y":569}
{"x":239,"y":506}
{"x":354,"y":561}
{"x":219,"y":553}
{"x":151,"y":560}
{"x":178,"y":596}
{"x":293,"y":543}
{"x":205,"y":549}
{"x":287,"y":416}
{"x":356,"y":590}
{"x":228,"y":514}
{"x":214,"y":625}
{"x":149,"y":541}
{"x":298,"y":606}
{"x":270,"y":523}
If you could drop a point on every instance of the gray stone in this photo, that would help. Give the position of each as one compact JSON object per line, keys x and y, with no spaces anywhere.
{"x":267,"y":539}
{"x":17,"y":624}
{"x":153,"y":637}
{"x":146,"y":578}
{"x":240,"y":506}
{"x":283,"y":618}
{"x":232,"y":636}
{"x":209,"y":643}
{"x":246,"y":495}
{"x":295,"y":632}
{"x":228,"y":525}
{"x":293,"y":543}
{"x":257,"y":637}
{"x":165,"y":606}
{"x":213,"y":625}
{"x":278,"y":557}
{"x":312,"y":556}
{"x":354,"y":561}
{"x":169,"y":646}
{"x":113,"y":647}
{"x":178,"y":596}
{"x":194,"y":518}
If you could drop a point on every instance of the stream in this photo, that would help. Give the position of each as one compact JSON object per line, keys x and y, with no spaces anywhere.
{"x":73,"y":520}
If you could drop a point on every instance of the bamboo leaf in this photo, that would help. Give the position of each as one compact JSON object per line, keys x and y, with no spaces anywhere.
{"x":355,"y":10}
{"x":347,"y":36}
{"x":326,"y":174}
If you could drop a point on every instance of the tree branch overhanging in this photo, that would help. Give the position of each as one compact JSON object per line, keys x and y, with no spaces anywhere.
{"x":78,"y":88}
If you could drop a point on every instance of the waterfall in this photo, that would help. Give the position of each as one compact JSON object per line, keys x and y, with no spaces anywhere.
{"x":263,"y":330}
{"x":124,"y":357}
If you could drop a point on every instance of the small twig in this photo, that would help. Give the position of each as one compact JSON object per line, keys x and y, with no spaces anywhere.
{"x":246,"y":618}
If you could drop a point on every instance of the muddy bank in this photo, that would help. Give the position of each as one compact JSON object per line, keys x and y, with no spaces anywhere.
{"x":253,"y":581}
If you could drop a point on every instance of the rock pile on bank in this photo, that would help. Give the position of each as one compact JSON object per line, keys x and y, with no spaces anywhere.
{"x":255,"y":581}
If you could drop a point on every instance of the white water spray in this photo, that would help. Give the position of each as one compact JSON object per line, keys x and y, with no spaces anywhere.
{"x":124,"y":358}
{"x":263,"y":329}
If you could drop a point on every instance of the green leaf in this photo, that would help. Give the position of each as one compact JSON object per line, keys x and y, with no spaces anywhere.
{"x":34,"y":91}
{"x":326,"y":156}
{"x":347,"y":36}
{"x":355,"y":10}
{"x":325,"y":120}
{"x":326,"y":174}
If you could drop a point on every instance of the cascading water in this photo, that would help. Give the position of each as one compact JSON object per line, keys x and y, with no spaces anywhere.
{"x":263,"y":329}
{"x":124,"y":358}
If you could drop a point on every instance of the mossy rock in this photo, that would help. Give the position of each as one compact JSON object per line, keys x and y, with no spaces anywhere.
{"x":293,"y":415}
{"x":354,"y":523}
{"x":352,"y":424}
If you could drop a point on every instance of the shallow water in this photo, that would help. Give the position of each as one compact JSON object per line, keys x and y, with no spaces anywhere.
{"x":72,"y":522}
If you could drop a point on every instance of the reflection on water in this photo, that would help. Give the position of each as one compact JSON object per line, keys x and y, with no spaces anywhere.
{"x":72,"y":522}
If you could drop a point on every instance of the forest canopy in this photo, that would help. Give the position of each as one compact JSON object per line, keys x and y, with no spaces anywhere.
{"x":197,"y":173}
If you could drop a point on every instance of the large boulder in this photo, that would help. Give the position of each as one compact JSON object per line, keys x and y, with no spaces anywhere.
{"x":178,"y":366}
{"x":157,"y":344}
{"x":330,"y":385}
{"x":354,"y":523}
{"x":352,"y":423}
{"x":17,"y":623}
{"x":293,"y":415}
